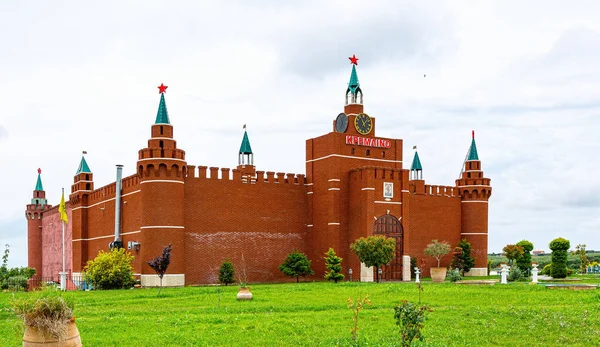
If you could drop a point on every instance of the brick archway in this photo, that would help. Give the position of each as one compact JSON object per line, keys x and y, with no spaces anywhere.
{"x":391,"y":227}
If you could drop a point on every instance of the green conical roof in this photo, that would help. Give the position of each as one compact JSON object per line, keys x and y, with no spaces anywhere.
{"x":83,"y":167}
{"x":473,"y":151}
{"x":353,"y":85}
{"x":245,"y":147}
{"x":162,"y":116}
{"x":38,"y":185}
{"x":416,"y":163}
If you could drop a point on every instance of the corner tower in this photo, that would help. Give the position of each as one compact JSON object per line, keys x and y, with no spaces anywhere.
{"x":162,"y":169}
{"x":83,"y":185}
{"x":246,"y":158}
{"x":33,"y":214}
{"x":475,"y":191}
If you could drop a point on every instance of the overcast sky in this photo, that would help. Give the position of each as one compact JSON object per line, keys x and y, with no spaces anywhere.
{"x":524,"y":75}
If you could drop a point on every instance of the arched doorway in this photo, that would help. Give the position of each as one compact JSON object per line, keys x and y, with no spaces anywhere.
{"x":390,"y":226}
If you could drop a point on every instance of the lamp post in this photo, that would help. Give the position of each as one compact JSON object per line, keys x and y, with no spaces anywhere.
{"x":350,"y":273}
{"x":417,"y":273}
{"x":379,"y":271}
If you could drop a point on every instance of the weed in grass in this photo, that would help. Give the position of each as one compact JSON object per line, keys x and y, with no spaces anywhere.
{"x":356,"y":306}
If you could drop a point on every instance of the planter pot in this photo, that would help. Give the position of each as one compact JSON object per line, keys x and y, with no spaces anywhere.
{"x":33,"y":337}
{"x":438,"y":274}
{"x":244,"y":294}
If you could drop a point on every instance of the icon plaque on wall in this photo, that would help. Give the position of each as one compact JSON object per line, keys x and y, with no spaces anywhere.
{"x":388,"y":190}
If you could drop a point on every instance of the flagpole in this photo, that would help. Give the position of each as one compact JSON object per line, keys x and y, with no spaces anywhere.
{"x":63,"y":274}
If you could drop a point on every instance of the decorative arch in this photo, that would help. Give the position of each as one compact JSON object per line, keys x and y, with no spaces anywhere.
{"x":390,"y":226}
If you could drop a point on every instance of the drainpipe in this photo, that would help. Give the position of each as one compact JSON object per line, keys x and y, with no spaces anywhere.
{"x":118,"y":243}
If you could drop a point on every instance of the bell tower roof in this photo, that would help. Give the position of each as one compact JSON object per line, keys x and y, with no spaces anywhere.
{"x":245,"y":148}
{"x":162,"y":116}
{"x":416,"y":163}
{"x":38,"y":185}
{"x":473,"y":149}
{"x":83,"y":166}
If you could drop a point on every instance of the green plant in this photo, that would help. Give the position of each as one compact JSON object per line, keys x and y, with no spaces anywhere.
{"x":547,"y":269}
{"x":333,"y":264}
{"x":524,"y":261}
{"x":160,"y":263}
{"x":17,"y":283}
{"x":15,"y":278}
{"x":48,"y":311}
{"x":111,"y":270}
{"x":410,"y":318}
{"x":356,"y":306}
{"x":296,"y":264}
{"x":512,"y":252}
{"x":462,"y":259}
{"x":226,"y":273}
{"x":374,"y":251}
{"x":515,"y":274}
{"x":559,"y":247}
{"x":242,"y":274}
{"x":437,"y":250}
{"x":413,"y":265}
{"x":453,"y":275}
{"x":580,"y":251}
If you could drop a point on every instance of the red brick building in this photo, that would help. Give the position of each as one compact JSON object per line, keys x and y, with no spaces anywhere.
{"x":355,"y":185}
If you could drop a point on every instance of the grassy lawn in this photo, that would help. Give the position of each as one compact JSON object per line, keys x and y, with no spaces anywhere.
{"x":316,"y":314}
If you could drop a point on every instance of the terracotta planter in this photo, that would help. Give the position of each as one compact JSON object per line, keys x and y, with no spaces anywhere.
{"x":244,"y":294}
{"x":33,"y":337}
{"x":438,"y":274}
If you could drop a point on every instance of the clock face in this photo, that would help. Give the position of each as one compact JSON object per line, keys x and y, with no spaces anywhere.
{"x":341,"y":123}
{"x":363,"y":124}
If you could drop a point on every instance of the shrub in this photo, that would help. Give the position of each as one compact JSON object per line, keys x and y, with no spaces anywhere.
{"x":559,"y":247}
{"x":160,"y":263}
{"x":227,"y":273}
{"x":437,"y":250}
{"x":17,"y":283}
{"x":453,"y":275}
{"x":333,"y":264}
{"x":374,"y":251}
{"x":524,"y":261}
{"x":515,"y":274}
{"x":47,"y":310}
{"x":111,"y":270}
{"x":547,"y":269}
{"x":410,"y":319}
{"x":462,"y":259}
{"x":296,"y":264}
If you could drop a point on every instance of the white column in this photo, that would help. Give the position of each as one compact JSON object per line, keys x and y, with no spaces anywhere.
{"x":406,"y":268}
{"x":366,"y":273}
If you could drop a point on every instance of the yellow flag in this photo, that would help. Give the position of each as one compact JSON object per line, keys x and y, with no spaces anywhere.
{"x":62,"y":208}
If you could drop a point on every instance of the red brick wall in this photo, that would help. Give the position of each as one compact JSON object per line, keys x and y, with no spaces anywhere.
{"x":52,"y":244}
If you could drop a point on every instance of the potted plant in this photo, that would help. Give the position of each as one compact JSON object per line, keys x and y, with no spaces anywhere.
{"x":437,"y":250}
{"x":48,"y":319}
{"x":244,"y":292}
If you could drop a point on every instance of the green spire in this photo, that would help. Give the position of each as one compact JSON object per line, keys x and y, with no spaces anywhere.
{"x":38,"y":185}
{"x":473,"y":150}
{"x":83,"y":167}
{"x":162,"y":117}
{"x":245,"y":147}
{"x":353,"y":85}
{"x":416,"y":163}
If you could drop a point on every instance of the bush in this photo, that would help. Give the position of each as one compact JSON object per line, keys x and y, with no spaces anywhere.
{"x":227,"y":273}
{"x":524,"y":261}
{"x":17,"y":283}
{"x":515,"y":274}
{"x":296,"y":264}
{"x":462,"y":259}
{"x":410,"y":319}
{"x":111,"y":270}
{"x":453,"y":275}
{"x":559,"y":247}
{"x":333,"y":264}
{"x":547,"y":269}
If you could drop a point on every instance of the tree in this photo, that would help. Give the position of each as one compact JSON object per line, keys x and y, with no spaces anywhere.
{"x":160,"y":263}
{"x":462,"y":259}
{"x":111,"y":270}
{"x":374,"y":251}
{"x":580,"y":251}
{"x":524,"y":261}
{"x":437,"y":250}
{"x":333,"y":264}
{"x":512,"y":252}
{"x":296,"y":264}
{"x":227,"y":273}
{"x":559,"y":247}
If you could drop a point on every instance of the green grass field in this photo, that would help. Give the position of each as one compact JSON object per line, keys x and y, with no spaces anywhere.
{"x":316,"y":314}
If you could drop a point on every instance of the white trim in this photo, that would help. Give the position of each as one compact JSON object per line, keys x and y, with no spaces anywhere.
{"x":309,"y":225}
{"x":84,"y":181}
{"x":309,"y":192}
{"x":475,"y":201}
{"x":404,"y":191}
{"x":107,"y":236}
{"x":475,"y":185}
{"x":333,"y":223}
{"x":473,"y":233}
{"x":176,"y":159}
{"x":368,"y":188}
{"x":162,"y":181}
{"x":388,"y":202}
{"x":161,"y":138}
{"x":77,"y":191}
{"x":334,"y":180}
{"x":308,"y":184}
{"x":352,"y":157}
{"x":333,"y":189}
{"x":162,"y":227}
{"x":107,"y":200}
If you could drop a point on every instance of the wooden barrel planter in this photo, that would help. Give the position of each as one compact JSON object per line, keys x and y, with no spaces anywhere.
{"x":33,"y":337}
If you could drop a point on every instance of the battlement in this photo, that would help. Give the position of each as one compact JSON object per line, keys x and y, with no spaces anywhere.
{"x":433,"y":190}
{"x":235,"y":175}
{"x":109,"y":190}
{"x":377,"y":172}
{"x":157,"y":153}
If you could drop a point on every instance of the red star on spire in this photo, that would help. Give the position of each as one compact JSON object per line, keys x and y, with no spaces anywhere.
{"x":39,"y":171}
{"x":353,"y":59}
{"x":162,"y":88}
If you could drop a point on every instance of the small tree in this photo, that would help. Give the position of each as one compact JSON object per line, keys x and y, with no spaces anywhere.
{"x":296,"y":264}
{"x":111,"y":270}
{"x":583,"y":260}
{"x":356,"y":306}
{"x":161,"y":262}
{"x":374,"y":251}
{"x":559,"y":247}
{"x":227,"y":273}
{"x":333,"y":264}
{"x":410,"y":318}
{"x":463,"y":260}
{"x":437,"y":250}
{"x":512,"y":252}
{"x":524,"y":261}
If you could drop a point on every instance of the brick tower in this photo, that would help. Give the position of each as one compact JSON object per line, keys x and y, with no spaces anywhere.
{"x":162,"y":169}
{"x":475,"y":191}
{"x":34,"y":213}
{"x":83,"y":185}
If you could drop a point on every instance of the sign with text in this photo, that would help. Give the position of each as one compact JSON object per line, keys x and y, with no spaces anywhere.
{"x":368,"y":142}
